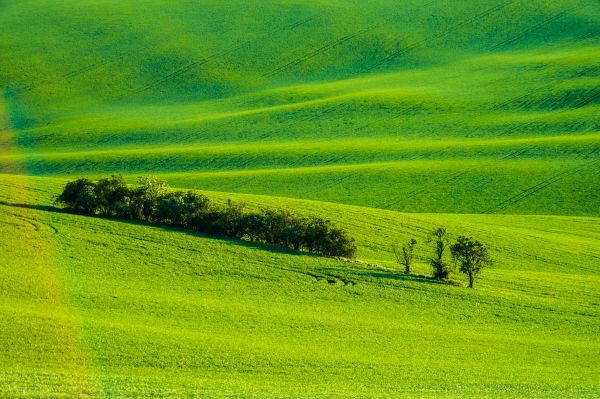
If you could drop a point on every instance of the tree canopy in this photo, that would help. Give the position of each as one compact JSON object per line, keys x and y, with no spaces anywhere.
{"x":471,"y":255}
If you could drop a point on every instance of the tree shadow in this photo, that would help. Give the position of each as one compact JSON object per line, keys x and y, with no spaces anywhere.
{"x":349,"y":274}
{"x":244,"y":243}
{"x":376,"y":274}
{"x":45,"y":208}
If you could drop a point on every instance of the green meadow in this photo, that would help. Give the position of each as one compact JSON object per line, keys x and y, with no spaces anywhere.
{"x":105,"y":308}
{"x":388,"y":118}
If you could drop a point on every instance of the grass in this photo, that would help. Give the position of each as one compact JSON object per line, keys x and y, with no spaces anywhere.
{"x":390,"y":119}
{"x":195,"y":315}
{"x":313,"y":89}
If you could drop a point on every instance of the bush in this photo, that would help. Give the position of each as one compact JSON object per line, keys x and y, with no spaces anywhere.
{"x":322,"y":238}
{"x":147,"y":196}
{"x":253,"y":226}
{"x":441,"y":268}
{"x":152,"y":201}
{"x":171,"y":209}
{"x":112,"y":194}
{"x":79,"y":196}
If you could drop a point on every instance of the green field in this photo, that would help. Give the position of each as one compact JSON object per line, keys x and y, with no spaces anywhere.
{"x":387,"y":105}
{"x":218,"y":318}
{"x":389,"y":118}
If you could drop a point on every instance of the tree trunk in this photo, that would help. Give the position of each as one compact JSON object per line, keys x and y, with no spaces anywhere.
{"x":471,"y":279}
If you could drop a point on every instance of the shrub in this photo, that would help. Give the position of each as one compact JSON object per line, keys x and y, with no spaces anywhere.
{"x":322,"y":238}
{"x":147,"y":195}
{"x":171,"y":209}
{"x":404,"y":256}
{"x":441,"y":268}
{"x":79,"y":196}
{"x":253,"y":226}
{"x":112,"y":194}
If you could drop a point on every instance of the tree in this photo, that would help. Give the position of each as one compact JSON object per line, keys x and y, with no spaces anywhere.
{"x":79,"y":196}
{"x":253,"y":226}
{"x":146,"y":197}
{"x":441,"y":268}
{"x":472,"y":256}
{"x":112,"y":195}
{"x":405,"y":256}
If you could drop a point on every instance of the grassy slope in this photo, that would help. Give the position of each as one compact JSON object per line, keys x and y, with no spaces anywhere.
{"x":379,"y":106}
{"x":473,"y":107}
{"x":220,"y":318}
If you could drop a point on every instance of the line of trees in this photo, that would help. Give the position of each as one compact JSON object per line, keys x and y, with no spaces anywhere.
{"x":152,"y":200}
{"x":470,"y":255}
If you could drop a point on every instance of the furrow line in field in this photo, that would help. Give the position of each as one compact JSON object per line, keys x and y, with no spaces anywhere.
{"x":455,"y":177}
{"x":76,"y":72}
{"x":88,"y":68}
{"x":173,"y":74}
{"x":98,"y":64}
{"x":388,"y":204}
{"x":186,"y":68}
{"x":542,"y":185}
{"x":531,"y":29}
{"x":338,"y":42}
{"x":320,"y":50}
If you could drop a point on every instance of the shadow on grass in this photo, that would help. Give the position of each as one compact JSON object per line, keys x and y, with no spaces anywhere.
{"x":376,"y":274}
{"x":164,"y":227}
{"x":46,"y":208}
{"x":347,"y":275}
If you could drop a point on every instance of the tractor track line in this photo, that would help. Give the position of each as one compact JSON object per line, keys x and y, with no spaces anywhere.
{"x":185,"y":68}
{"x":320,"y":50}
{"x":442,"y":34}
{"x":338,"y":42}
{"x":541,"y":185}
{"x":455,"y":177}
{"x":531,"y":29}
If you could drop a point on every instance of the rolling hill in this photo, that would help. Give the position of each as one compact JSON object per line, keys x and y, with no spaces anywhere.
{"x":478,"y":107}
{"x":389,"y":118}
{"x":103,"y":308}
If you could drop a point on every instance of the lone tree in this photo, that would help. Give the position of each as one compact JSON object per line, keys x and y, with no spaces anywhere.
{"x":405,"y":256}
{"x":472,"y":256}
{"x":441,"y":268}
